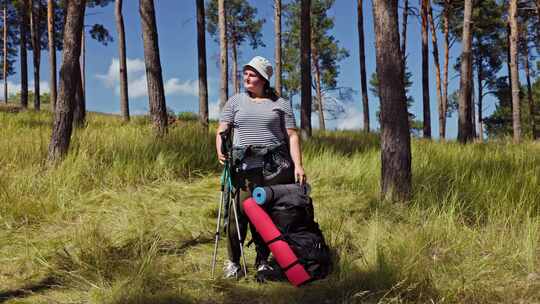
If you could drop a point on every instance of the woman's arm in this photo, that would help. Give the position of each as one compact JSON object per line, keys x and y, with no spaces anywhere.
{"x":223,"y":126}
{"x":296,"y":155}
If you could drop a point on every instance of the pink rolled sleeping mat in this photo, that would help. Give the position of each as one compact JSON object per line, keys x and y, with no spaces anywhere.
{"x":285,"y":257}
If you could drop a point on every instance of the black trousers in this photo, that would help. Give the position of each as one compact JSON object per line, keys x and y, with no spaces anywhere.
{"x":243,"y":184}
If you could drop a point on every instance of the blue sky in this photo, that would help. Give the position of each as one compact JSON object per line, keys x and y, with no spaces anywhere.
{"x":178,"y":50}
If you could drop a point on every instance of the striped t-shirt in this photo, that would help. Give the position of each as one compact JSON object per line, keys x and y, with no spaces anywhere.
{"x":258,"y":123}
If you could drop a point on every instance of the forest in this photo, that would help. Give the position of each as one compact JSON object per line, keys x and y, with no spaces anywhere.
{"x":99,"y":207}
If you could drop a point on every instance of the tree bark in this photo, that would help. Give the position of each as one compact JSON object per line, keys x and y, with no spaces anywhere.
{"x":532,"y":113}
{"x":362,"y":55}
{"x":23,"y":27}
{"x":5,"y":53}
{"x":508,"y":59}
{"x":124,"y":101}
{"x":36,"y":52}
{"x":234,"y":50}
{"x":516,"y":123}
{"x":63,"y":115}
{"x":83,"y":65}
{"x":322,"y":125}
{"x":480,"y":76}
{"x":473,"y":110}
{"x":154,"y":77}
{"x":465,"y":132}
{"x":435,"y":53}
{"x":277,"y":27}
{"x":79,"y":112}
{"x":305,"y":67}
{"x":404,"y":17}
{"x":52,"y":52}
{"x":425,"y":71}
{"x":201,"y":48}
{"x":395,"y":136}
{"x":442,"y":126}
{"x":224,"y":66}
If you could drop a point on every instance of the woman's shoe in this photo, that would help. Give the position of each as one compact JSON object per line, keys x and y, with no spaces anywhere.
{"x":231,"y":270}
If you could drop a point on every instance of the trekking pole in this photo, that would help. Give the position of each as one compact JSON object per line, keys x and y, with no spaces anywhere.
{"x":238,"y":233}
{"x":218,"y":224}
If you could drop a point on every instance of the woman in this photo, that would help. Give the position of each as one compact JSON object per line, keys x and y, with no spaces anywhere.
{"x":266,"y":151}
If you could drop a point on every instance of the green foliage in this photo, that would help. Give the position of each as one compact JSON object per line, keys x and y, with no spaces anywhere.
{"x":45,"y":98}
{"x":499,"y":123}
{"x":99,"y":33}
{"x":188,"y":116}
{"x":326,"y":52}
{"x":415,"y":125}
{"x":12,"y":39}
{"x":242,"y":23}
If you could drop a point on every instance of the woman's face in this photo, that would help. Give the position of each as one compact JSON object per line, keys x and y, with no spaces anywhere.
{"x":252,"y":81}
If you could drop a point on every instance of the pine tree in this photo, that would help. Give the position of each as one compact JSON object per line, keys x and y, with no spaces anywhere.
{"x":395,"y":137}
{"x":242,"y":26}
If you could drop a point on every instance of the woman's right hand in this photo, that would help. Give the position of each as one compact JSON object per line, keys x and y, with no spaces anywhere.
{"x":221,"y":157}
{"x":221,"y":128}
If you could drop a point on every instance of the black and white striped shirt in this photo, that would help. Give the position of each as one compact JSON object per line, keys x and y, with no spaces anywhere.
{"x":258,"y":123}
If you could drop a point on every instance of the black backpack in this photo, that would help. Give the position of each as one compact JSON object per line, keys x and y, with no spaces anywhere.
{"x":293,"y":216}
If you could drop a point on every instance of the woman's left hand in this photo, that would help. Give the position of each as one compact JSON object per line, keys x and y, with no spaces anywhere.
{"x":300,"y":175}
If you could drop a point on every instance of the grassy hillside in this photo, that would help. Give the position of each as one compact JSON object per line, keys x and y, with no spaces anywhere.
{"x":128,"y":218}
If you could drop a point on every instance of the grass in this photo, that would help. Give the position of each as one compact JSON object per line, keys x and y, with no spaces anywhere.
{"x":128,"y":218}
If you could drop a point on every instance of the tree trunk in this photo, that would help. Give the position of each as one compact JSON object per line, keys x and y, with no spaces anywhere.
{"x":83,"y":65}
{"x":480,"y":76}
{"x":322,"y":125}
{"x":425,"y":70}
{"x":305,"y":67}
{"x":201,"y":47}
{"x":435,"y":53}
{"x":5,"y":53}
{"x":465,"y":132}
{"x":79,"y":112}
{"x":532,"y":113}
{"x":23,"y":27}
{"x":362,"y":55}
{"x":52,"y":52}
{"x":442,"y":126}
{"x":516,"y":123}
{"x":36,"y":51}
{"x":63,"y":115}
{"x":508,"y":59}
{"x":154,"y":77}
{"x":404,"y":17}
{"x":395,"y":136}
{"x":234,"y":50}
{"x":224,"y":66}
{"x":124,"y":102}
{"x":277,"y":27}
{"x":473,"y":110}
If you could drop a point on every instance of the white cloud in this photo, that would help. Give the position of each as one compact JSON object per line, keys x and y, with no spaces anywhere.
{"x":135,"y":68}
{"x":352,"y":119}
{"x":14,"y":88}
{"x":213,"y":110}
{"x":137,"y":85}
{"x":174,"y":86}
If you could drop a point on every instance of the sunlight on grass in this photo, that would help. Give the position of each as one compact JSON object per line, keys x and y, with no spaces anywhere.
{"x":129,"y":218}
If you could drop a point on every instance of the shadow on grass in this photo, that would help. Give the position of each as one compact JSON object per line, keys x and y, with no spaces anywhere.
{"x":44,"y":284}
{"x":353,"y":287}
{"x":345,"y":143}
{"x":175,"y":248}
